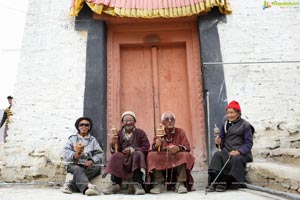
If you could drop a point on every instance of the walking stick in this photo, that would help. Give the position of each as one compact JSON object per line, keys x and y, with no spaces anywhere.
{"x":65,"y":162}
{"x":217,"y":175}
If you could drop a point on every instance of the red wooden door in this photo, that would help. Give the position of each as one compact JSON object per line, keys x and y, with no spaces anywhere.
{"x":151,"y":71}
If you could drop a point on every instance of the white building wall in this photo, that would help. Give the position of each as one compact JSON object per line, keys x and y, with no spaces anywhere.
{"x":49,"y":93}
{"x":257,"y":48}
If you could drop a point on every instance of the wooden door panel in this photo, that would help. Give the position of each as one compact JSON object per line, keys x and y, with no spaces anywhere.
{"x":173,"y":84}
{"x":136,"y":92}
{"x":156,"y":69}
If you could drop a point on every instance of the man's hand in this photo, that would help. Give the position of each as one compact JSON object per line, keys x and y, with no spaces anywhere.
{"x":158,"y":142}
{"x":77,"y":155}
{"x":88,"y":163}
{"x":79,"y":147}
{"x":114,"y":140}
{"x":234,"y":153}
{"x":126,"y":152}
{"x":173,"y":149}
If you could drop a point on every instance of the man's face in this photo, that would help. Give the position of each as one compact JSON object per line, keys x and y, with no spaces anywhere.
{"x":169,"y":121}
{"x":10,"y":101}
{"x":84,"y":126}
{"x":128,"y":122}
{"x":232,"y":115}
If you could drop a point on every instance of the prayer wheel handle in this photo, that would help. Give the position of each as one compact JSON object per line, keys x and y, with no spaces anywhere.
{"x":159,"y":133}
{"x":114,"y":133}
{"x":216,"y":133}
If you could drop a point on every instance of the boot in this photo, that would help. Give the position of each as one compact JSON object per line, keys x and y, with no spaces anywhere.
{"x":181,"y":189}
{"x":158,"y":188}
{"x":112,"y":189}
{"x":138,"y":189}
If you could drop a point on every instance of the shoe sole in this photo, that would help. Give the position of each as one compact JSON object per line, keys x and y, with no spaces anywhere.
{"x":109,"y":193}
{"x":155,"y":192}
{"x":91,"y":192}
{"x":66,"y":191}
{"x":140,"y":193}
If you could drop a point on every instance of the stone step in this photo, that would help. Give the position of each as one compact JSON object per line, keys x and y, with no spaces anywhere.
{"x":277,"y":140}
{"x":282,"y":155}
{"x":277,"y":176}
{"x":200,"y":180}
{"x":290,"y":156}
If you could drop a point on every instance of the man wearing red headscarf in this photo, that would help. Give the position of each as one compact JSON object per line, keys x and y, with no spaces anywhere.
{"x":235,"y":139}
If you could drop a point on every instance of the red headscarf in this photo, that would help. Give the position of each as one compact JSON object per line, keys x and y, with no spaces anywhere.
{"x":235,"y":105}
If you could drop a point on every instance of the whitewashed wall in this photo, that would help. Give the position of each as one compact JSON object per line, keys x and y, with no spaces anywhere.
{"x":266,"y":83}
{"x":49,"y":93}
{"x":261,"y":55}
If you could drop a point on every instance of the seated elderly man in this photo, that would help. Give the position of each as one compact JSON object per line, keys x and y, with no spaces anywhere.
{"x":128,"y":161}
{"x":170,"y":161}
{"x":83,"y":154}
{"x":235,"y":140}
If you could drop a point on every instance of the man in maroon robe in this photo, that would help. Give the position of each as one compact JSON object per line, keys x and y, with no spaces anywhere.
{"x":170,"y":161}
{"x":128,"y":161}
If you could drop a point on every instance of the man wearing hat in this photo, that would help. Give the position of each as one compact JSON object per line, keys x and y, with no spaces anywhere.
{"x":129,"y":149}
{"x":236,"y":140}
{"x":6,"y":119}
{"x":170,"y":161}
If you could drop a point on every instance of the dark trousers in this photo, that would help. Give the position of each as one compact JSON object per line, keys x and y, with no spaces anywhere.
{"x":82,"y":176}
{"x":137,"y":177}
{"x":5,"y":133}
{"x":234,"y":170}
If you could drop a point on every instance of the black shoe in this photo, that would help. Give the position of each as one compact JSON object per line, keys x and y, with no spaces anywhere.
{"x":221,"y":188}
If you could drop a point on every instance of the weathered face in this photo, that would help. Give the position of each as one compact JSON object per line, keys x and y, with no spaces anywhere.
{"x":232,"y":114}
{"x":128,"y":122}
{"x":84,"y":126}
{"x":169,"y":121}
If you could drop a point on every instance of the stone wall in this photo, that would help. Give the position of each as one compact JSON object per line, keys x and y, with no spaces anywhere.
{"x":49,"y":92}
{"x":266,"y":82}
{"x":260,"y":50}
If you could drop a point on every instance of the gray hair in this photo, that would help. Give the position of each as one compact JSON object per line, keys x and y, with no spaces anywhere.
{"x":165,"y":113}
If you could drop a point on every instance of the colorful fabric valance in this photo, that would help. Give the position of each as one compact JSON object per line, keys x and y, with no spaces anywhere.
{"x":151,"y":8}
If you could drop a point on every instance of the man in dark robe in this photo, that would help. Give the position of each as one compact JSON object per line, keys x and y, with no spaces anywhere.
{"x":236,"y":141}
{"x":6,"y":118}
{"x":170,"y":162}
{"x":128,"y":161}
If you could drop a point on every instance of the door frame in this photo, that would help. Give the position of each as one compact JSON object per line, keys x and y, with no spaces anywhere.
{"x":136,"y":35}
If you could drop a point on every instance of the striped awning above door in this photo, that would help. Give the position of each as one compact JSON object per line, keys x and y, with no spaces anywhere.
{"x":151,"y":8}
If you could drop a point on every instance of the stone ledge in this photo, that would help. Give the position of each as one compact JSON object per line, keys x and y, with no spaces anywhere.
{"x":281,"y":155}
{"x":278,"y":176}
{"x":200,"y":180}
{"x":290,"y":156}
